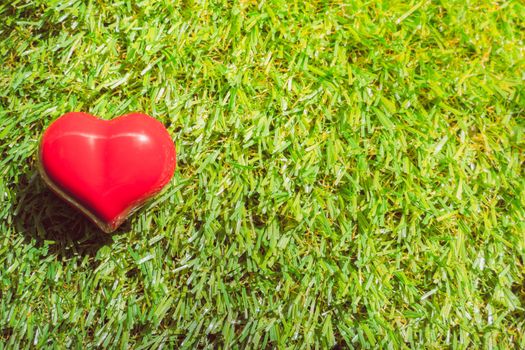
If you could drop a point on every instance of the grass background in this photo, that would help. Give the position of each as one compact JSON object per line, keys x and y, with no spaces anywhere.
{"x":350,"y":173}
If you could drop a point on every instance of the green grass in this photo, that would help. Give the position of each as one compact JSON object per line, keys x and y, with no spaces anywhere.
{"x":350,"y":173}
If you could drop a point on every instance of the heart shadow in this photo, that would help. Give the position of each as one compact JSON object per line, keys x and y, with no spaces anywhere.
{"x":44,"y":218}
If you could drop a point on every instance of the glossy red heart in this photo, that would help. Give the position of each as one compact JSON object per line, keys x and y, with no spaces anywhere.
{"x":105,"y":168}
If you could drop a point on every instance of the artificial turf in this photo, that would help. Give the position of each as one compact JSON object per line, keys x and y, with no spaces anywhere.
{"x":350,"y":174}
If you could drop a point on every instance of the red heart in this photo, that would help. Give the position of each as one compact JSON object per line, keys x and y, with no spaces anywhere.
{"x":107,"y":169}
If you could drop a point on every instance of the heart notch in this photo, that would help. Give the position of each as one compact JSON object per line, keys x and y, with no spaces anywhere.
{"x":106,"y":168}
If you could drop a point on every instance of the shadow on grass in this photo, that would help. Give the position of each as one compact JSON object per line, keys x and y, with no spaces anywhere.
{"x":42,"y":216}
